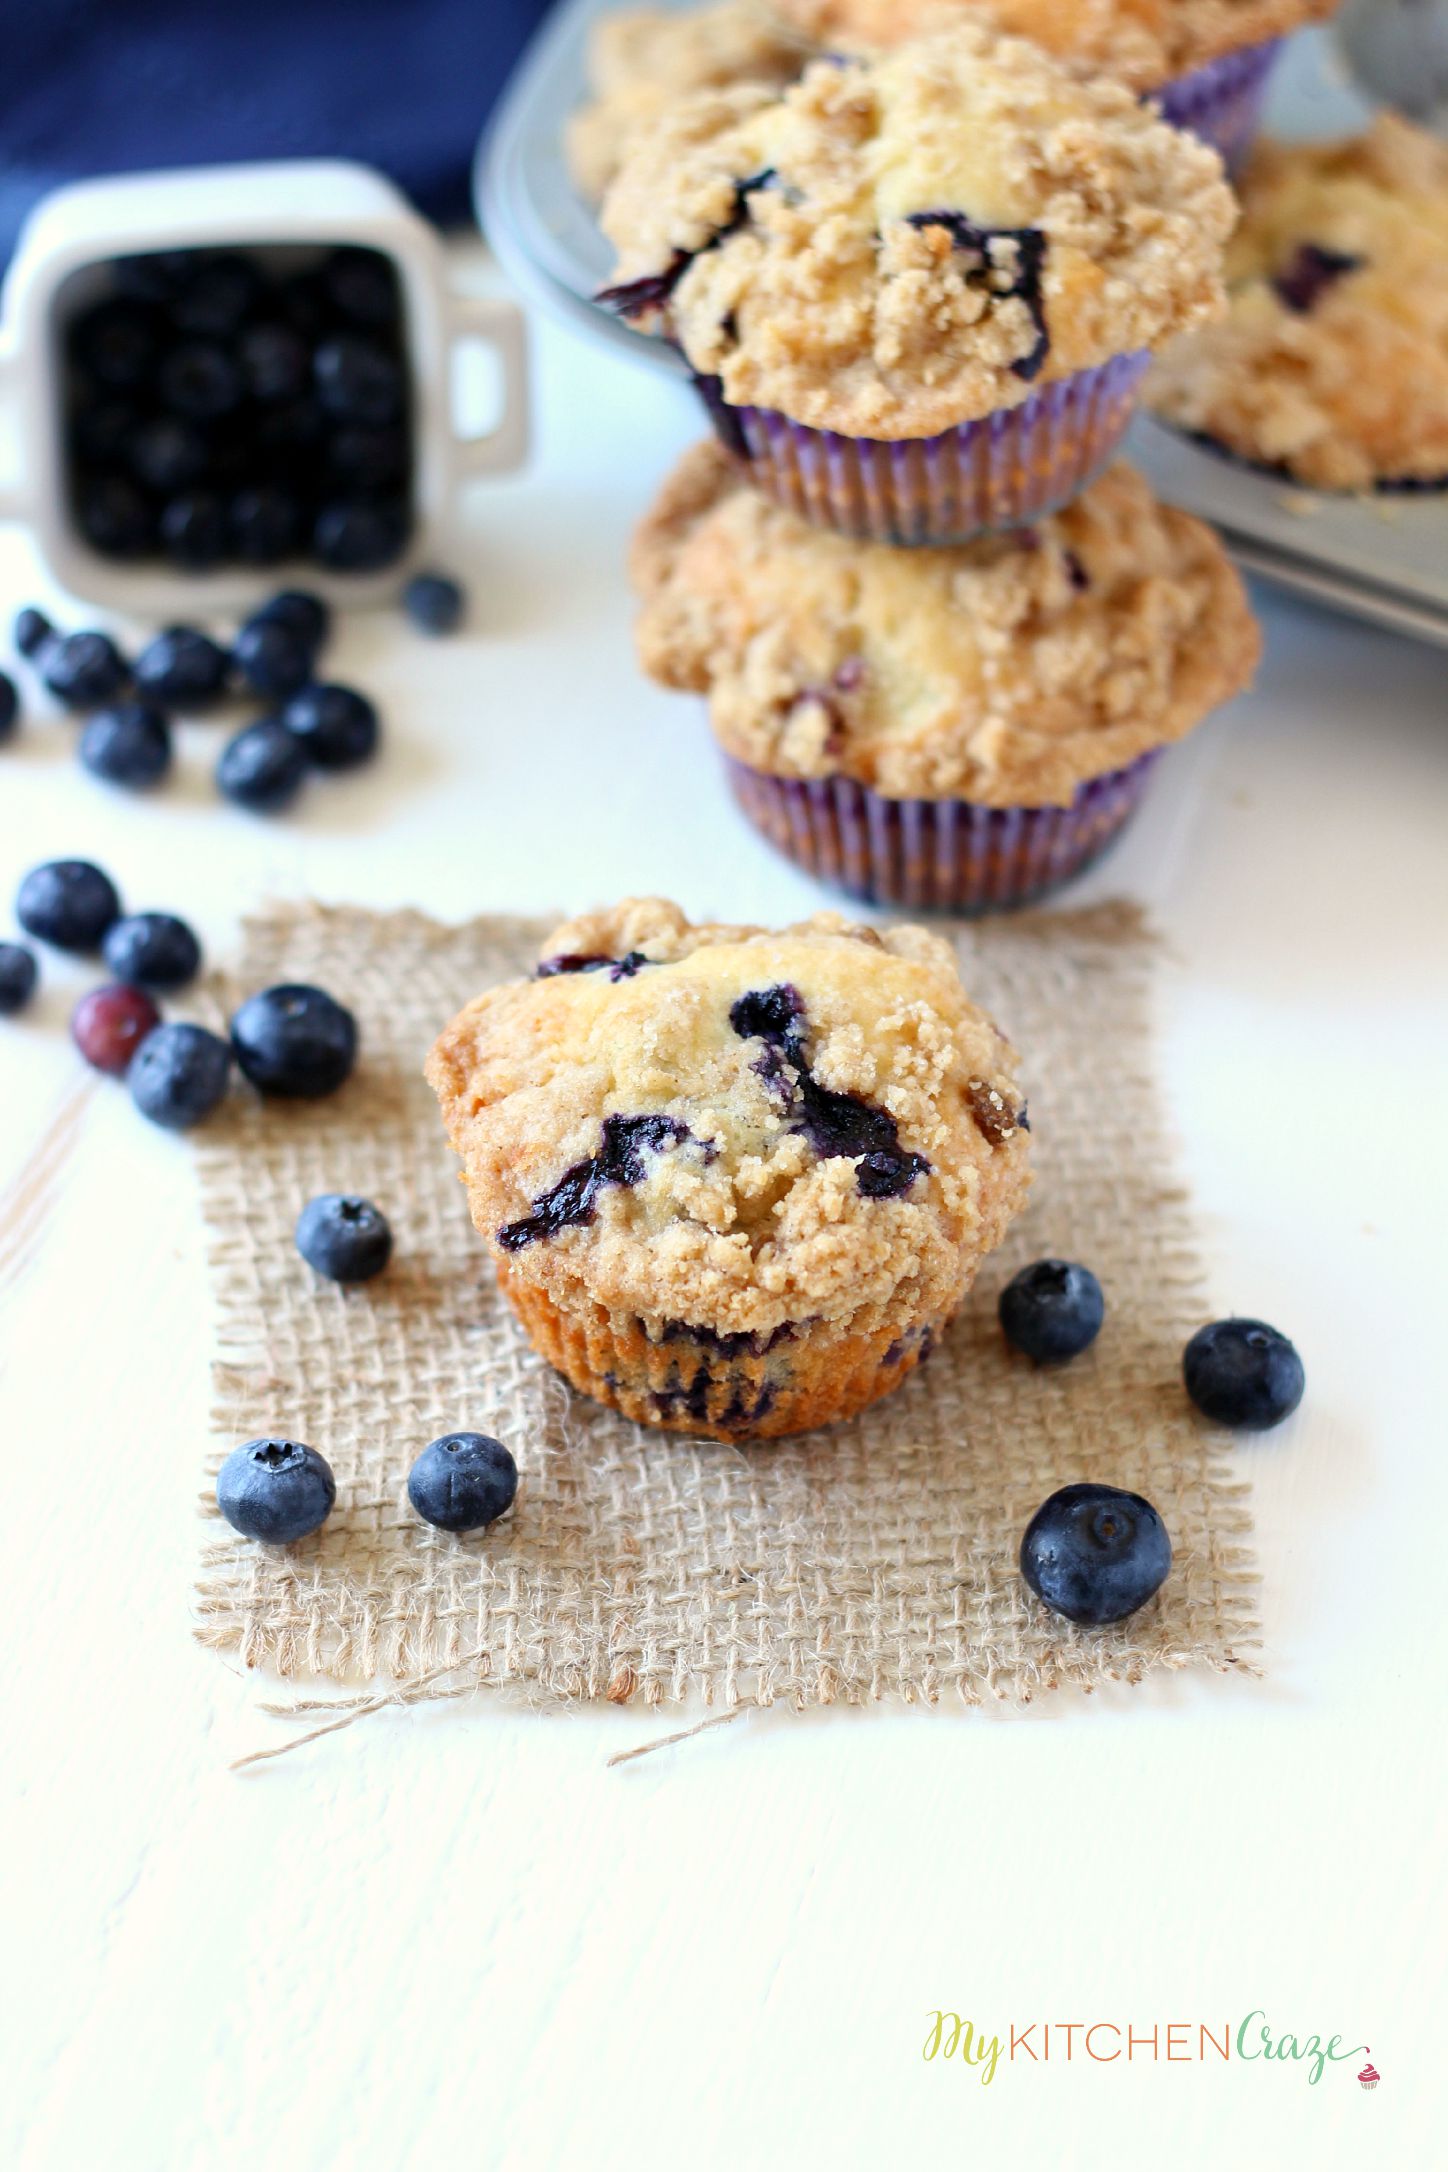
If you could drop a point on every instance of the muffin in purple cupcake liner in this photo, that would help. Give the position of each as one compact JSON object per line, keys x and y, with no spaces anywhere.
{"x":946,"y":853}
{"x":1222,"y":102}
{"x":1003,"y":471}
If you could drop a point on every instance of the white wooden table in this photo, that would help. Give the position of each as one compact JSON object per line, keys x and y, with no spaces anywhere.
{"x":452,"y":1937}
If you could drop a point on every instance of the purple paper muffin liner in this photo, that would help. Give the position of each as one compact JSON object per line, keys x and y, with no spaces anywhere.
{"x":1004,"y":471}
{"x":1222,"y":102}
{"x":946,"y":853}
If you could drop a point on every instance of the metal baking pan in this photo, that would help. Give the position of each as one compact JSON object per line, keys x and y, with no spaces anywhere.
{"x":1382,"y":557}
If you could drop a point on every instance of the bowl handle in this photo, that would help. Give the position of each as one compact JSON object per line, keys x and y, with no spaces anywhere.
{"x":501,"y":325}
{"x":14,"y":486}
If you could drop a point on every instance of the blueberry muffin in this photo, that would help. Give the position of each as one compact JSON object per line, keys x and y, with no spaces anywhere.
{"x":963,"y":727}
{"x":1332,"y":365}
{"x":918,"y":292}
{"x":639,"y":63}
{"x":734,"y":1181}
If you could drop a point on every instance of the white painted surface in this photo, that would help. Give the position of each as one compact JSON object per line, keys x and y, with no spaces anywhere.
{"x":451,"y":1937}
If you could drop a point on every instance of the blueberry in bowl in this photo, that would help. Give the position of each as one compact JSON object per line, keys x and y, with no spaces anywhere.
{"x":1095,"y":1554}
{"x":275,"y":1490}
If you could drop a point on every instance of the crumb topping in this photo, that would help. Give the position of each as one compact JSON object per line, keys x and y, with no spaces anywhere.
{"x":641,"y":62}
{"x":1143,"y":43}
{"x":1006,"y":671}
{"x":896,"y":246}
{"x":1332,"y":364}
{"x":762,"y":1128}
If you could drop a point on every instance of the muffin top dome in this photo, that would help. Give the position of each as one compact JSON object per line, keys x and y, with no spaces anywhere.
{"x":893,"y":247}
{"x":1143,"y":43}
{"x":733,"y":1128}
{"x":1007,"y":671}
{"x":1333,"y":362}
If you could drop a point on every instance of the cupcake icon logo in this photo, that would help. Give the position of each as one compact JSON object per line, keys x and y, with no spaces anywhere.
{"x":1369,"y":2077}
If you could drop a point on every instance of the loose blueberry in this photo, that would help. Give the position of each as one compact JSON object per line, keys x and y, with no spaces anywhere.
{"x":434,"y":603}
{"x":83,"y":670}
{"x":31,"y":631}
{"x":344,"y":1238}
{"x":302,"y":614}
{"x":463,"y":1481}
{"x":115,"y":517}
{"x":265,"y":524}
{"x":167,"y":454}
{"x":179,"y":1075}
{"x":152,"y":950}
{"x":129,"y":746}
{"x":68,"y":903}
{"x":201,"y":382}
{"x":9,"y":708}
{"x":275,"y":1490}
{"x":1243,"y":1373}
{"x":357,"y":380}
{"x":182,"y":668}
{"x":193,"y":530}
{"x":18,"y":975}
{"x":1052,"y":1310}
{"x":271,"y":659}
{"x":359,"y":535}
{"x":1095,"y":1554}
{"x":337,"y":728}
{"x":262,"y":768}
{"x":109,"y":1024}
{"x":295,"y":1041}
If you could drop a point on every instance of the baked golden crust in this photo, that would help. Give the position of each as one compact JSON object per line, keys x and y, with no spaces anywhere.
{"x":641,"y":62}
{"x":894,"y":247}
{"x":1144,"y":43}
{"x":738,"y":1215}
{"x":1333,"y":362}
{"x":1006,"y":672}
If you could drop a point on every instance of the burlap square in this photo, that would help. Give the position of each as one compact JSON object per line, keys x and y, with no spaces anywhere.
{"x":873,"y":1560}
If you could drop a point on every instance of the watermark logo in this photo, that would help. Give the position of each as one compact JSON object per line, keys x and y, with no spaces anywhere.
{"x":983,"y":2051}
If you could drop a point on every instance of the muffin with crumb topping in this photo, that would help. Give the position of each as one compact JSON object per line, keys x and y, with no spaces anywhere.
{"x":1206,"y":61}
{"x":918,"y":292}
{"x":963,"y":728}
{"x":734,"y":1181}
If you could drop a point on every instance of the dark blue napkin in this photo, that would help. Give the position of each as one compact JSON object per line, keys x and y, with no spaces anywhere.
{"x":114,"y":86}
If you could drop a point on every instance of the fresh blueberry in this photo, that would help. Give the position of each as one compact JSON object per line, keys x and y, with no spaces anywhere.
{"x":275,"y":1490}
{"x":1095,"y":1554}
{"x":193,"y":530}
{"x":31,"y":631}
{"x":168,"y":454}
{"x":83,"y":670}
{"x":462,"y":1482}
{"x":108,"y":1025}
{"x":262,"y":768}
{"x":201,"y":382}
{"x":302,"y":614}
{"x":337,"y":728}
{"x":271,"y":659}
{"x":1052,"y":1310}
{"x":102,"y":431}
{"x":152,"y":950}
{"x":434,"y":603}
{"x":212,"y":293}
{"x":129,"y":746}
{"x":179,"y":1075}
{"x":115,"y":517}
{"x":359,"y":535}
{"x":1243,"y":1373}
{"x":182,"y":668}
{"x":369,"y":459}
{"x":289,"y":437}
{"x":18,"y":975}
{"x":294,"y":1040}
{"x":265,"y":523}
{"x":116,"y":341}
{"x":344,"y":1238}
{"x":68,"y":903}
{"x":361,"y":284}
{"x":357,"y":380}
{"x":9,"y":708}
{"x":275,"y":362}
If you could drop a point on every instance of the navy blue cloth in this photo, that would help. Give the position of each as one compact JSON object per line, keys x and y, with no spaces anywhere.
{"x":113,"y":86}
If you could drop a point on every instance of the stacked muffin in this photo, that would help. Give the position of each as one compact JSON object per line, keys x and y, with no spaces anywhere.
{"x":917,"y":294}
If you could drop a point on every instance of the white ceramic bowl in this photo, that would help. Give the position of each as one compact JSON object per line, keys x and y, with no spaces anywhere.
{"x":59,"y":265}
